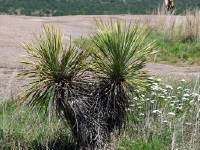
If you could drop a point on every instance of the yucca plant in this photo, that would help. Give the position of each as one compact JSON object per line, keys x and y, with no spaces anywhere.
{"x":56,"y":78}
{"x":93,"y":109}
{"x":118,"y":57}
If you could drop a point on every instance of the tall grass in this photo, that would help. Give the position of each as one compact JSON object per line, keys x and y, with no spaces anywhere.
{"x":22,"y":129}
{"x":179,"y":27}
{"x":177,"y":36}
{"x":192,"y":25}
{"x":166,"y":119}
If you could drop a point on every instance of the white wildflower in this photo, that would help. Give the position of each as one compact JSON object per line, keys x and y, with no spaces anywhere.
{"x":183,"y":80}
{"x":186,"y":95}
{"x":141,"y":114}
{"x":180,"y":108}
{"x":199,"y":98}
{"x":164,"y":90}
{"x":151,"y":78}
{"x":191,"y":102}
{"x":152,"y":101}
{"x":155,"y":87}
{"x":195,"y":94}
{"x":169,"y":97}
{"x":162,"y":96}
{"x":171,"y":113}
{"x":184,"y":99}
{"x":187,"y":90}
{"x":188,"y":123}
{"x":135,"y":98}
{"x":156,"y":111}
{"x":158,"y":79}
{"x":169,"y":87}
{"x":178,"y":88}
{"x":165,"y":121}
{"x":155,"y":83}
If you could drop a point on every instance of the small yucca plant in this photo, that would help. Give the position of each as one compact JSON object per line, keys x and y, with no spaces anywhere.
{"x":119,"y":54}
{"x":55,"y":75}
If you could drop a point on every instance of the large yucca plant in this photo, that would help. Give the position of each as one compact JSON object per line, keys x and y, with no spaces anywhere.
{"x":119,"y":55}
{"x":55,"y":74}
{"x":56,"y":77}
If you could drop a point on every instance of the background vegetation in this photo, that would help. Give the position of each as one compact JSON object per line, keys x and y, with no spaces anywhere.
{"x":88,"y":7}
{"x":177,"y":38}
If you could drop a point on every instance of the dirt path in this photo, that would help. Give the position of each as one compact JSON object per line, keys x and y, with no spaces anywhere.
{"x":17,"y":29}
{"x":173,"y":72}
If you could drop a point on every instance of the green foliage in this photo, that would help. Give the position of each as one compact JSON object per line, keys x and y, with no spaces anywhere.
{"x":119,"y":54}
{"x":88,"y":7}
{"x":176,"y":51}
{"x":49,"y":64}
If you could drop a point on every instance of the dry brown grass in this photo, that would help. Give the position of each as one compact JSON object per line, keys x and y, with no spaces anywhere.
{"x":178,"y":27}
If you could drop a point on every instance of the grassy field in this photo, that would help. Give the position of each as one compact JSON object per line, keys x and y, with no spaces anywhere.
{"x":178,"y":40}
{"x":171,"y":50}
{"x":167,"y":118}
{"x":177,"y":51}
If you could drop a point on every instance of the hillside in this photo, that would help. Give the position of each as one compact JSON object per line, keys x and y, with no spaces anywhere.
{"x":87,"y":7}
